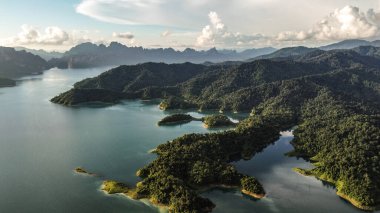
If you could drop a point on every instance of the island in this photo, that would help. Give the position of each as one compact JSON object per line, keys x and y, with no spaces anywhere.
{"x":217,"y":120}
{"x":332,"y":96}
{"x":81,"y":170}
{"x":176,"y":119}
{"x":211,"y":121}
{"x":5,"y":82}
{"x":252,"y":187}
{"x":192,"y":162}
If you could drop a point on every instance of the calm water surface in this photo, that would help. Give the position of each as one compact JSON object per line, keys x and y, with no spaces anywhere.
{"x":41,"y":143}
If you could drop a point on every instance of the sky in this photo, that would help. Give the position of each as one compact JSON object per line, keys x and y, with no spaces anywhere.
{"x":200,"y":24}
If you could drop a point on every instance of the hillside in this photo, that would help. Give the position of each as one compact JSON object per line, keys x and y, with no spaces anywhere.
{"x":349,"y":44}
{"x":332,"y":96}
{"x":15,"y":64}
{"x":226,"y":87}
{"x":287,"y":52}
{"x":46,"y":55}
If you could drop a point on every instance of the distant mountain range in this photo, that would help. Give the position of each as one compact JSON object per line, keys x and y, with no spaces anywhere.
{"x":92,"y":55}
{"x":42,"y":53}
{"x":349,"y":44}
{"x":19,"y":61}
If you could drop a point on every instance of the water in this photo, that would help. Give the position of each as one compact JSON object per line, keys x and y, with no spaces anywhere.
{"x":41,"y":143}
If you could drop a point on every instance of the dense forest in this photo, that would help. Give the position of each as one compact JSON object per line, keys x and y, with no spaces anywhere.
{"x":333,"y":97}
{"x":176,"y":119}
{"x":194,"y":161}
{"x":217,"y":120}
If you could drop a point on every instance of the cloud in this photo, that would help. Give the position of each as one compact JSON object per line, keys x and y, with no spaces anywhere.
{"x":216,"y":33}
{"x":348,"y":22}
{"x":32,"y":35}
{"x":166,"y":33}
{"x":127,"y":35}
{"x":122,"y":11}
{"x":345,"y":23}
{"x":53,"y":38}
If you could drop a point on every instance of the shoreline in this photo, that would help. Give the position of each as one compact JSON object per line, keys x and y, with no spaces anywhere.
{"x":172,"y":123}
{"x":349,"y":199}
{"x":251,"y":194}
{"x":224,"y":186}
{"x":82,"y":171}
{"x":148,"y":201}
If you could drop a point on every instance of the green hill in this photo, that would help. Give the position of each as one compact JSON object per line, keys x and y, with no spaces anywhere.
{"x":333,"y":97}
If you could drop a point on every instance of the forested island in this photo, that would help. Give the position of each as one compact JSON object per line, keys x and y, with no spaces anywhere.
{"x":176,"y":119}
{"x":332,"y":96}
{"x":193,"y":162}
{"x":210,"y":121}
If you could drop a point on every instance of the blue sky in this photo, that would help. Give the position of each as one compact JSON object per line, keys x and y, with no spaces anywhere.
{"x":200,"y":24}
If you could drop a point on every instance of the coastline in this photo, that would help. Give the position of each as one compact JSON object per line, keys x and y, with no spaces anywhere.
{"x":351,"y":200}
{"x":175,"y":122}
{"x":251,"y":194}
{"x":148,"y":201}
{"x":82,"y":171}
{"x":224,"y":186}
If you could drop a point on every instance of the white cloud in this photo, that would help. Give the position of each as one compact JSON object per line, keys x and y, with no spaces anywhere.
{"x":122,"y":11}
{"x":346,"y":23}
{"x":127,"y":35}
{"x":52,"y":38}
{"x":32,"y":35}
{"x":166,"y":33}
{"x":217,"y":34}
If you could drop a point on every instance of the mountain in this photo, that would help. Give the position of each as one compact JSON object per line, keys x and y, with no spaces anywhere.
{"x":333,"y":98}
{"x":218,"y":86}
{"x":349,"y":44}
{"x":5,"y":82}
{"x":285,"y":53}
{"x":42,"y":53}
{"x":15,"y":64}
{"x":92,"y":55}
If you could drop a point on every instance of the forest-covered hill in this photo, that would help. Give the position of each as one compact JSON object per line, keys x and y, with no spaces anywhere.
{"x":332,"y":96}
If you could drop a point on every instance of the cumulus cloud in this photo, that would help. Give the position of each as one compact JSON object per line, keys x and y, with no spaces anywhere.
{"x":53,"y":38}
{"x":32,"y":35}
{"x":127,"y":35}
{"x":216,"y":33}
{"x":345,"y":23}
{"x":348,"y":22}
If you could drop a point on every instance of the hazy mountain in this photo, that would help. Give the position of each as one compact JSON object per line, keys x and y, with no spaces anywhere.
{"x":287,"y":52}
{"x":19,"y":63}
{"x":92,"y":55}
{"x":42,"y":53}
{"x":349,"y":44}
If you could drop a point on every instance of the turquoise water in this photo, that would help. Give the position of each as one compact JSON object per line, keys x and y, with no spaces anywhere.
{"x":41,"y":143}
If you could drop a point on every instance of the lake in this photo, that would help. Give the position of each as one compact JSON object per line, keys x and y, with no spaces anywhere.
{"x":41,"y":143}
